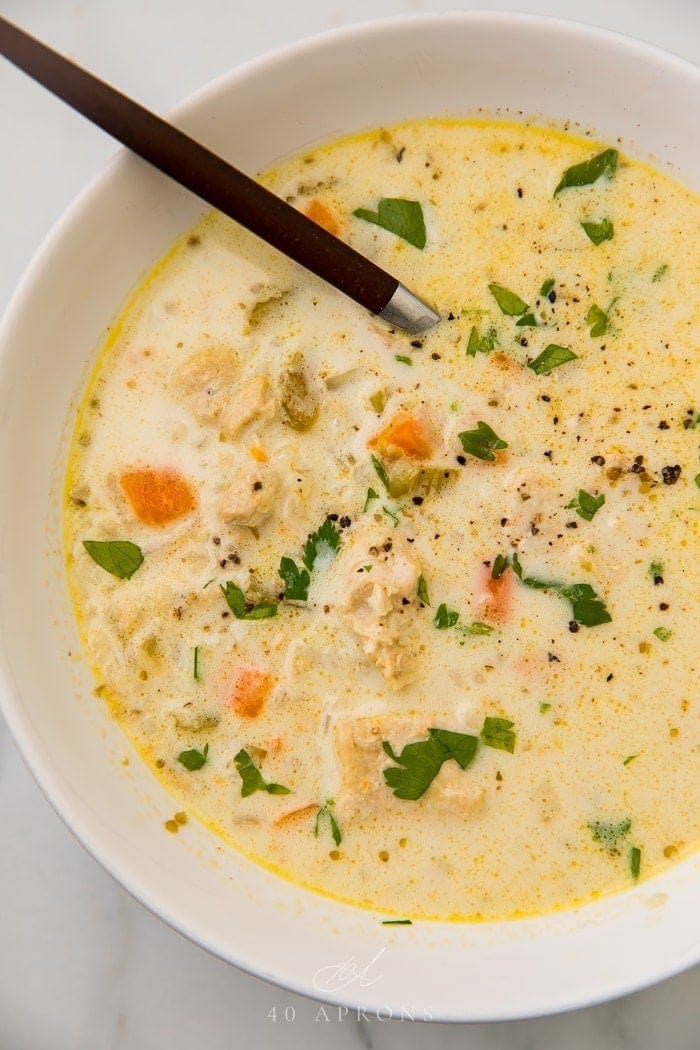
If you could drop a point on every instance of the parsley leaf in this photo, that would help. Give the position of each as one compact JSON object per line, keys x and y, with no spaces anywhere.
{"x":630,"y":758}
{"x":586,"y":607}
{"x":397,"y":922}
{"x":510,"y":303}
{"x":371,"y":495}
{"x":477,"y":629}
{"x":586,"y":505}
{"x":445,"y":618}
{"x":662,"y":633}
{"x":547,"y":286}
{"x":422,"y":591}
{"x":500,"y":564}
{"x":608,"y":833}
{"x":193,"y":760}
{"x":599,"y":321}
{"x":326,"y":811}
{"x":401,"y":217}
{"x":659,"y":273}
{"x":195,"y":665}
{"x":551,"y":357}
{"x":544,"y":707}
{"x":599,"y":231}
{"x":327,"y":535}
{"x":252,"y":779}
{"x":381,"y":472}
{"x":296,"y":581}
{"x":498,"y":733}
{"x":419,"y":763}
{"x":119,"y":557}
{"x":484,"y":344}
{"x":635,"y":859}
{"x":589,"y":171}
{"x":481,"y":441}
{"x":403,"y":359}
{"x":242,"y":610}
{"x":528,"y":321}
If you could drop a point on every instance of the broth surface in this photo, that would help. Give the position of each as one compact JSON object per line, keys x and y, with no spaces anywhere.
{"x":351,"y":537}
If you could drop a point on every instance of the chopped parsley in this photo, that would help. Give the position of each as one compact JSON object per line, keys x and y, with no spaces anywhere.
{"x":326,"y":810}
{"x":510,"y":303}
{"x":528,"y":321}
{"x":371,"y":495}
{"x":420,"y":762}
{"x":589,"y":171}
{"x":659,"y":273}
{"x":121,"y":558}
{"x":477,"y":629}
{"x":547,"y":286}
{"x":630,"y":758}
{"x":635,"y":861}
{"x":544,"y":707}
{"x":252,"y":779}
{"x":609,"y":832}
{"x":381,"y":472}
{"x":500,"y":564}
{"x":597,"y":232}
{"x":445,"y":618}
{"x":422,"y":591}
{"x":400,"y":217}
{"x":551,"y":357}
{"x":195,"y":665}
{"x":481,"y":344}
{"x":586,"y":505}
{"x":296,"y":581}
{"x":598,"y":320}
{"x":243,"y":610}
{"x":397,"y":922}
{"x":656,"y":571}
{"x":404,"y":360}
{"x":662,"y":633}
{"x":393,"y":514}
{"x":587,"y":609}
{"x":327,"y":536}
{"x":498,"y":733}
{"x":481,"y":442}
{"x":193,"y":760}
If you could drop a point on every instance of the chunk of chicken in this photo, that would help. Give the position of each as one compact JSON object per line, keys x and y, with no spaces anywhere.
{"x":363,"y":789}
{"x":250,"y":497}
{"x":204,"y":383}
{"x":251,"y":401}
{"x":379,"y":572}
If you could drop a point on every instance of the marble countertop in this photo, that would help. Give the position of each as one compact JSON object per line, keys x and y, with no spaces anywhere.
{"x":82,"y":965}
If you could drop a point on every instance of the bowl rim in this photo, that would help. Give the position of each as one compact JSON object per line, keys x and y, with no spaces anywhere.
{"x":35,"y":753}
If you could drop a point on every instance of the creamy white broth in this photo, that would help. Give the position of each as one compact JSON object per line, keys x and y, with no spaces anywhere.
{"x":194,"y":383}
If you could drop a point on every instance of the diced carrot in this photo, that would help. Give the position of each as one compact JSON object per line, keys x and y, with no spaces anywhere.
{"x":321,"y":215}
{"x":258,"y":454}
{"x":403,"y":436}
{"x":251,"y":688}
{"x":157,"y":497}
{"x":296,"y":816}
{"x":495,"y":595}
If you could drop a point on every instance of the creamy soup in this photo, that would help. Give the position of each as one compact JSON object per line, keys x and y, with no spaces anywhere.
{"x":413,"y":621}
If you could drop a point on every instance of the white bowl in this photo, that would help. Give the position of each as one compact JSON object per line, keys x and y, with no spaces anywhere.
{"x":362,"y":76}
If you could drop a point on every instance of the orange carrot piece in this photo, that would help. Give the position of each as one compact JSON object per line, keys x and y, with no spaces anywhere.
{"x":496,"y":595}
{"x":251,"y":688}
{"x":403,"y":436}
{"x":157,"y":497}
{"x":258,"y":454}
{"x":296,"y":816}
{"x":321,"y":215}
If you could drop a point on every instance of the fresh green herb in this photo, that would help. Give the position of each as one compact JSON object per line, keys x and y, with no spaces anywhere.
{"x":195,"y":665}
{"x":120,"y":557}
{"x":635,"y":859}
{"x":477,"y":629}
{"x":630,"y":758}
{"x":327,"y":536}
{"x":589,"y":171}
{"x":481,"y":441}
{"x":381,"y":472}
{"x":598,"y":320}
{"x":400,"y":217}
{"x":695,"y":423}
{"x":193,"y":760}
{"x":544,"y":708}
{"x":547,"y":286}
{"x":483,"y":344}
{"x":510,"y":303}
{"x":242,"y":610}
{"x":397,"y":922}
{"x":252,"y":779}
{"x":528,"y":321}
{"x":599,"y":231}
{"x":296,"y":581}
{"x":498,"y":733}
{"x":422,"y":591}
{"x":371,"y":495}
{"x":419,"y":763}
{"x":392,"y":514}
{"x":551,"y":357}
{"x":533,"y":582}
{"x":656,"y":571}
{"x":658,"y":274}
{"x":586,"y":505}
{"x":326,"y":810}
{"x":662,"y":633}
{"x":445,"y":618}
{"x":500,"y":564}
{"x":608,"y":833}
{"x":403,"y":359}
{"x":696,"y":479}
{"x":587,"y":608}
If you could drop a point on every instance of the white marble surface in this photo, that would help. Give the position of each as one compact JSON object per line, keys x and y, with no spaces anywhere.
{"x":82,"y":966}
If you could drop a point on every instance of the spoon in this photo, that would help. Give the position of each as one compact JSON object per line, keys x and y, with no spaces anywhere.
{"x":218,"y":183}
